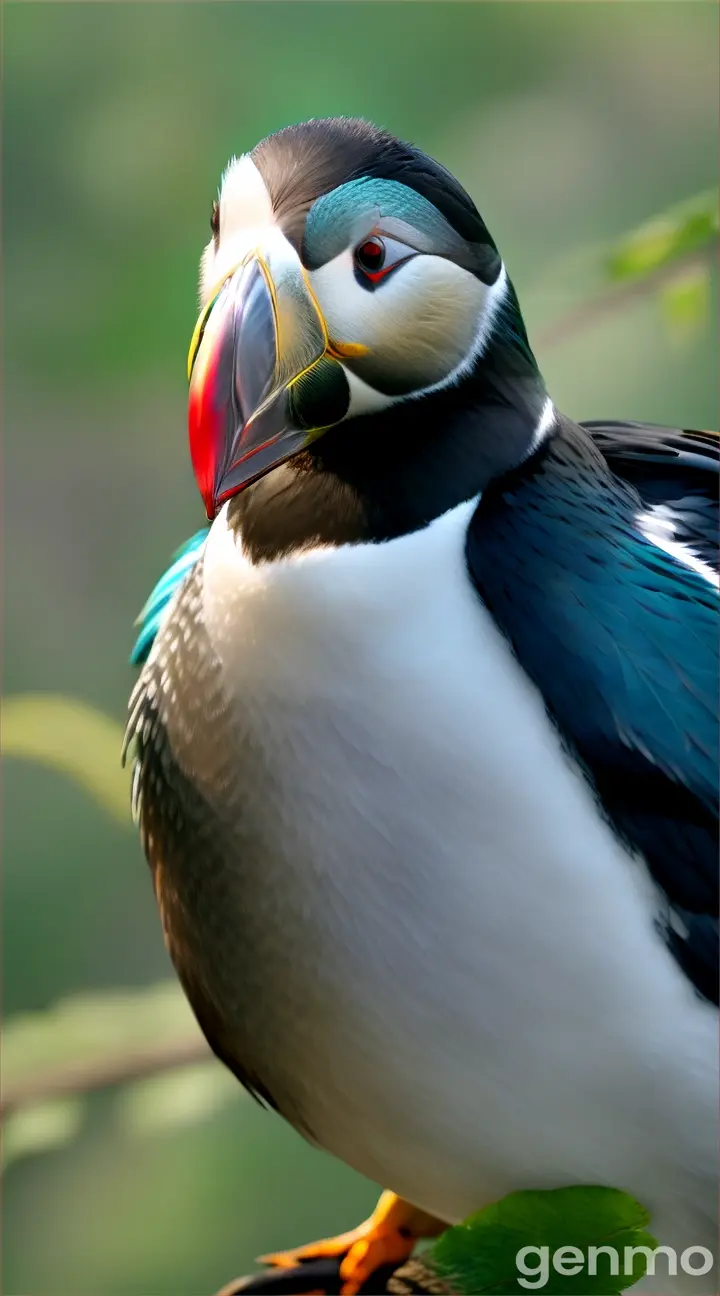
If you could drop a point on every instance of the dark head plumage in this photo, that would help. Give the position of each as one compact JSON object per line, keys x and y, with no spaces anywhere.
{"x":301,"y":163}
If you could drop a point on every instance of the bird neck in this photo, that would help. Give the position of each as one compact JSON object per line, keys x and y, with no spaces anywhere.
{"x":387,"y":474}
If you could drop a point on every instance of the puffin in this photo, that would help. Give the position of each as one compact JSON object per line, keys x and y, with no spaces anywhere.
{"x":425,"y":738}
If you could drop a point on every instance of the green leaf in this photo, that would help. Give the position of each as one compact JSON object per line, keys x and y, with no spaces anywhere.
{"x":41,"y":1128}
{"x":92,"y":1031}
{"x":677,"y":233}
{"x":73,"y":738}
{"x":112,"y":1037}
{"x":483,"y":1255}
{"x":685,"y":302}
{"x":163,"y":1103}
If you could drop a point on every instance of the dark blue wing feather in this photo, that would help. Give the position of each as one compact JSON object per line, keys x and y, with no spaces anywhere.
{"x":622,"y":640}
{"x":676,"y":473}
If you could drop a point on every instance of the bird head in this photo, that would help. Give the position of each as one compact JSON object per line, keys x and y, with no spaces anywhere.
{"x":347,"y":272}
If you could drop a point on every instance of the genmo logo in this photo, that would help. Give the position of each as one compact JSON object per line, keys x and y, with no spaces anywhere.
{"x":535,"y":1262}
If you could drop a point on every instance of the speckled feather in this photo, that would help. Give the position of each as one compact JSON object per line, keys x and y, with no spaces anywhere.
{"x":182,"y":794}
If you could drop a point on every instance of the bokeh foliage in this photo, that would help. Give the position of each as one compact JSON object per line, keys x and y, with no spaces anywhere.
{"x":571,"y":125}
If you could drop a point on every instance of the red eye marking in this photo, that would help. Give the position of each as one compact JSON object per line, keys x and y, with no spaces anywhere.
{"x":370,"y":257}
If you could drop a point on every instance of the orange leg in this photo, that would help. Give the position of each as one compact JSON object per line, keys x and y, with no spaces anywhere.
{"x":387,"y":1237}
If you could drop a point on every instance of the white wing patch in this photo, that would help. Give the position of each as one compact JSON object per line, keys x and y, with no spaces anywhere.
{"x":658,"y":526}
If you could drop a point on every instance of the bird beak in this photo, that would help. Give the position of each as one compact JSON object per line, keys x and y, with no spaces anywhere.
{"x":265,"y":380}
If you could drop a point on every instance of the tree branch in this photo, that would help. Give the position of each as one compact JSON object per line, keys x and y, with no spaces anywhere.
{"x":136,"y":1064}
{"x":594,"y":312}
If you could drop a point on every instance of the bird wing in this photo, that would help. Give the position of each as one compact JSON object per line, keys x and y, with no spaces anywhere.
{"x":620,"y":634}
{"x":676,"y":472}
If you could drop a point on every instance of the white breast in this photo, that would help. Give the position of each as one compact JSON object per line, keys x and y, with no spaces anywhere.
{"x":462,"y":987}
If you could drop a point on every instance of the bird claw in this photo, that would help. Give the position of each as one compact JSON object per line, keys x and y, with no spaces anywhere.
{"x":382,"y":1242}
{"x":310,"y":1278}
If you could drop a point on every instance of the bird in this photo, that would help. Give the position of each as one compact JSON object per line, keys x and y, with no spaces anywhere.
{"x":425,"y":736}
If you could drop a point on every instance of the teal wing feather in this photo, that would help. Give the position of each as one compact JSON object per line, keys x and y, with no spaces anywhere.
{"x":152,"y":614}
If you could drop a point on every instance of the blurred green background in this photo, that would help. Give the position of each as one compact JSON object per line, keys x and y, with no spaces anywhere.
{"x":570,"y":125}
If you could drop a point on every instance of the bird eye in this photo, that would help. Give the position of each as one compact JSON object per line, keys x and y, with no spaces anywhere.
{"x":375,"y":258}
{"x":215,"y":219}
{"x":370,"y":255}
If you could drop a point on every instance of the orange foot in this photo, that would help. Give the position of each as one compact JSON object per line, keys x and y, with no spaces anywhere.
{"x":387,"y":1237}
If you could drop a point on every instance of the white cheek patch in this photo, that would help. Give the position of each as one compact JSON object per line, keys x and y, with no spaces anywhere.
{"x":364,"y":399}
{"x":246,"y":215}
{"x":423,"y":328}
